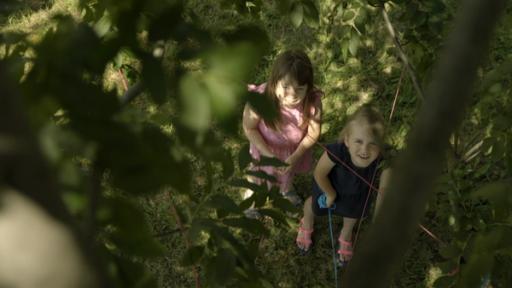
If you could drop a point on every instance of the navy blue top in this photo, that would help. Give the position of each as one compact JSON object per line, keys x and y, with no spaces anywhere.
{"x":351,"y":191}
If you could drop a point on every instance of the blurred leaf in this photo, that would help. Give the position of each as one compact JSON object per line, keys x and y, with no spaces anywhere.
{"x":132,"y":274}
{"x":132,"y":234}
{"x":450,"y":251}
{"x":283,"y":6}
{"x":244,"y":157}
{"x":284,"y":205}
{"x":353,"y":45}
{"x":311,"y":14}
{"x":196,"y":103}
{"x":192,"y":255}
{"x":445,"y":282}
{"x":229,"y":69}
{"x":75,"y":202}
{"x":448,"y":266}
{"x":478,"y":266}
{"x":267,"y":161}
{"x":348,"y":15}
{"x":153,"y":77}
{"x":262,"y":105}
{"x":498,"y":193}
{"x":165,"y":25}
{"x":219,"y":268}
{"x":250,"y":225}
{"x":219,"y":201}
{"x":297,"y":14}
{"x":103,"y":25}
{"x":246,"y":184}
{"x":277,"y":216}
{"x":262,"y":175}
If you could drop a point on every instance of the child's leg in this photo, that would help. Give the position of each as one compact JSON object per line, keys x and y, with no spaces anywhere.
{"x":309,"y":217}
{"x":306,"y":227}
{"x":348,"y":226}
{"x":345,"y":239}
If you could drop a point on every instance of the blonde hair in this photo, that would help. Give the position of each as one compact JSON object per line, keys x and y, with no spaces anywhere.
{"x":372,"y":116}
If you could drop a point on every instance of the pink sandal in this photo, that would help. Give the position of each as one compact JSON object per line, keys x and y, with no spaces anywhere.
{"x":304,"y":237}
{"x":345,"y":251}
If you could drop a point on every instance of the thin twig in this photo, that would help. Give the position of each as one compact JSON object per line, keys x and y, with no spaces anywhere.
{"x":174,"y":211}
{"x":123,"y":79}
{"x":396,"y":95}
{"x":401,"y":53}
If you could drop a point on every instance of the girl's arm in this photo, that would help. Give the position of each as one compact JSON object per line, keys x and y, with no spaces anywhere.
{"x":323,"y":167}
{"x":310,"y":139}
{"x":250,"y":125}
{"x":383,"y":186}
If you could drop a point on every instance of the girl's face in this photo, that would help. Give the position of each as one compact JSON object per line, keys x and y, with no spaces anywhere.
{"x":289,"y":92}
{"x":361,"y":143}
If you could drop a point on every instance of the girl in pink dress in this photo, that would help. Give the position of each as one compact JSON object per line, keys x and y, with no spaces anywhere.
{"x":291,"y":135}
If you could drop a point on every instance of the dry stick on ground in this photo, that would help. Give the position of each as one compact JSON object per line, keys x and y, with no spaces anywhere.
{"x":401,"y":53}
{"x":384,"y":246}
{"x":174,"y":212}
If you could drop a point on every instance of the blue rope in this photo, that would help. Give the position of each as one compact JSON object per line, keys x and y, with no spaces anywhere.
{"x":322,"y":202}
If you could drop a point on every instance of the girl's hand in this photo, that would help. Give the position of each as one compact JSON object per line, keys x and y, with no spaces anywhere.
{"x":330,"y":200}
{"x":291,"y":161}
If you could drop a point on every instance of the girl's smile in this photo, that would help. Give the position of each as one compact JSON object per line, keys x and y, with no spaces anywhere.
{"x":361,"y":144}
{"x":289,"y":92}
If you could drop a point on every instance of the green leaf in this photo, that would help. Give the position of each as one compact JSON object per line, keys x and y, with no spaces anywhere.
{"x":353,"y":45}
{"x":283,"y":6}
{"x":220,"y":268}
{"x":311,"y":14}
{"x":192,"y":256}
{"x":219,"y":201}
{"x":262,"y":105}
{"x":348,"y":15}
{"x":284,"y":204}
{"x":445,"y":282}
{"x":450,"y":251}
{"x":297,"y":14}
{"x":132,"y":234}
{"x":244,"y":157}
{"x":134,"y":273}
{"x":250,"y":225}
{"x":277,"y":216}
{"x":196,"y":103}
{"x":153,"y":77}
{"x":167,"y":23}
{"x":249,"y":185}
{"x":271,"y":161}
{"x":448,"y":266}
{"x":498,"y":193}
{"x":262,"y":175}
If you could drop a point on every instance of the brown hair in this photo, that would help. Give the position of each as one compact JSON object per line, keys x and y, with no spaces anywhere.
{"x":295,"y":64}
{"x":372,"y":116}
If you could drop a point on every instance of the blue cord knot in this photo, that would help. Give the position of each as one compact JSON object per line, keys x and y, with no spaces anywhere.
{"x":322,"y":202}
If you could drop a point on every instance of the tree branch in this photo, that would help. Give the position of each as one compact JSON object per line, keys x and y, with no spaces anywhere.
{"x":401,"y":53}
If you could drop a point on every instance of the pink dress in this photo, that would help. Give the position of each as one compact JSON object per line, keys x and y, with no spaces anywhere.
{"x":284,"y":142}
